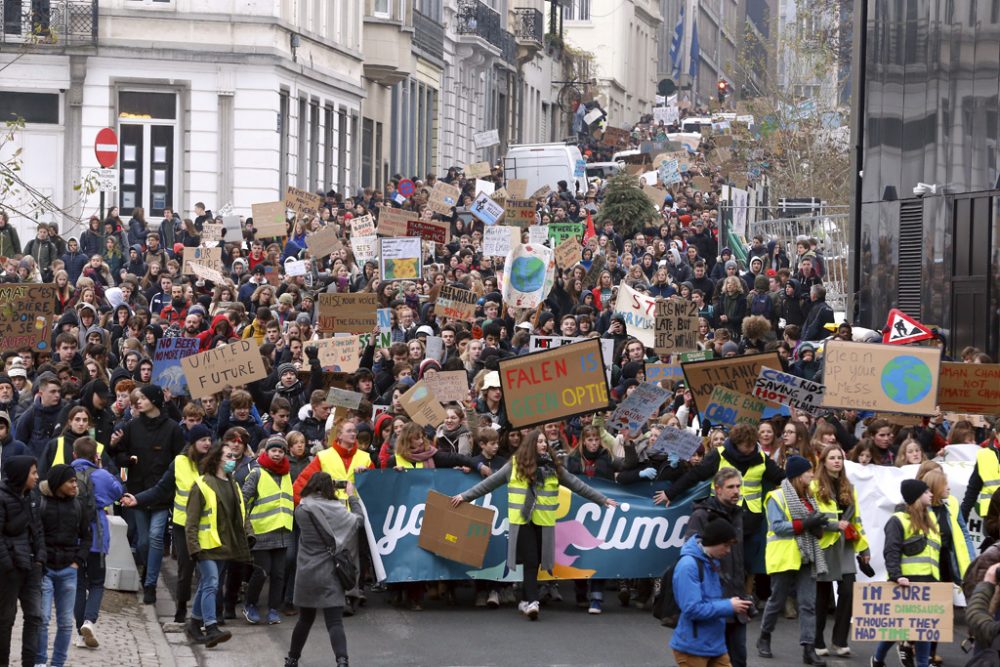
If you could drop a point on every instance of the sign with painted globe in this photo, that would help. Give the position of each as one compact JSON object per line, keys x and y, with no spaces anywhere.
{"x":887,"y":378}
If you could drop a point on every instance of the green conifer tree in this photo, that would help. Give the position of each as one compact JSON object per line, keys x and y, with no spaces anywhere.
{"x":625,"y":205}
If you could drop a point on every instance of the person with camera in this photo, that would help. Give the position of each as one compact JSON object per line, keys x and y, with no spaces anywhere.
{"x":326,"y":527}
{"x":724,"y":505}
{"x":794,"y":557}
{"x":700,"y":639}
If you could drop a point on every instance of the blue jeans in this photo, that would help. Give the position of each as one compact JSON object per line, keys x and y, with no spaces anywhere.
{"x":89,"y":589}
{"x":208,"y":588}
{"x":921,"y":652}
{"x":60,"y":586}
{"x":148,"y":527}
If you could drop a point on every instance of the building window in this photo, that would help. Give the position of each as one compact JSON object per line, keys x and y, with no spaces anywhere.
{"x":300,"y":172}
{"x":283,"y":122}
{"x":30,"y":107}
{"x":148,"y":131}
{"x":576,"y":10}
{"x":342,"y":151}
{"x":378,"y":156}
{"x":328,"y":148}
{"x":367,"y":141}
{"x":381,"y":9}
{"x":313,"y":146}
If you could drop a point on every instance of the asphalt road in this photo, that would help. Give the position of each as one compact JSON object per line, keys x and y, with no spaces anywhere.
{"x":465,"y":636}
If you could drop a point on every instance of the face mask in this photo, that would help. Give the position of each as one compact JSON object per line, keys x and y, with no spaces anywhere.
{"x":229,"y":466}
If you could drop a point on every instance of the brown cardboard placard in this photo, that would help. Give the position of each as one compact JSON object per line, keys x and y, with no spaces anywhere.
{"x":429,"y":230}
{"x":555,"y":384}
{"x":26,"y":315}
{"x":346,"y":312}
{"x":723,"y":141}
{"x":456,"y":303}
{"x":394,"y":221}
{"x":568,"y":253}
{"x":211,"y":232}
{"x":736,"y":373}
{"x":210,"y":258}
{"x":235,"y":365}
{"x":519,"y":212}
{"x":324,"y":241}
{"x":477,"y":170}
{"x":342,"y":353}
{"x":344,"y":398}
{"x":461,"y":534}
{"x":676,"y":327}
{"x":886,"y":611}
{"x":302,"y":202}
{"x":701,"y":183}
{"x":541,"y":192}
{"x":517,"y":188}
{"x":269,"y":219}
{"x":207,"y":273}
{"x":422,"y":406}
{"x":363,"y":225}
{"x":447,"y":386}
{"x":890,"y":378}
{"x":969,"y":388}
{"x":897,"y":419}
{"x":444,"y":197}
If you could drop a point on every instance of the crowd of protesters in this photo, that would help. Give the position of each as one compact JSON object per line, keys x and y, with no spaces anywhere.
{"x":220,"y":478}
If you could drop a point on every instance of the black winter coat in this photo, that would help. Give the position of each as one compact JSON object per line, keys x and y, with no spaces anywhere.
{"x":21,"y":537}
{"x":154,"y":442}
{"x":67,"y":530}
{"x":732,"y":570}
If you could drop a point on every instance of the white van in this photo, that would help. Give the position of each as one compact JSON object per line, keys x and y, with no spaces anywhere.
{"x":546,"y":164}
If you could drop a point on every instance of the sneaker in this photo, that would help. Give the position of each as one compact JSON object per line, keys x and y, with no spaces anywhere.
{"x":839,"y":651}
{"x":481,"y":598}
{"x":554,"y":593}
{"x":533,"y":610}
{"x":493,"y":600}
{"x":522,"y":607}
{"x":822,"y":651}
{"x":88,"y":634}
{"x":875,"y":663}
{"x":905,"y":651}
{"x":78,"y":641}
{"x":595,"y":607}
{"x":273,"y":617}
{"x":149,"y":594}
{"x":251,"y":614}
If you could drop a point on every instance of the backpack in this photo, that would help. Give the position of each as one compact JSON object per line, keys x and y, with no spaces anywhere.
{"x":761,"y":304}
{"x":88,"y":501}
{"x":665,"y":607}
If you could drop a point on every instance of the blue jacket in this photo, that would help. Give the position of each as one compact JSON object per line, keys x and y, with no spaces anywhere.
{"x":11,"y":447}
{"x":37,"y":425}
{"x":701,"y":629}
{"x":74,"y":263}
{"x":107,"y":491}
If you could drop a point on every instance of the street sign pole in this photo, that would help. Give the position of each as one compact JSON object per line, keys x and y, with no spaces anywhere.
{"x":106,"y":151}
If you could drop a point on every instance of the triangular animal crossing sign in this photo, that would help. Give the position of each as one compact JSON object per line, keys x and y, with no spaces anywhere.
{"x":901,"y":329}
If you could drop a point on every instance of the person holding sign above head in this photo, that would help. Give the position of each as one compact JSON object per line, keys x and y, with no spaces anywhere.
{"x":912,"y":553}
{"x":533,"y":477}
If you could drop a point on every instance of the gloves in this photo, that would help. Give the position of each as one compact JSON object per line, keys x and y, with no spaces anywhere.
{"x":648,"y":473}
{"x":673,"y":459}
{"x":706,"y":428}
{"x":814,"y":523}
{"x":312,"y":352}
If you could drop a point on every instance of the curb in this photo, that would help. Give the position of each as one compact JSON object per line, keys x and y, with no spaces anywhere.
{"x":164,"y":654}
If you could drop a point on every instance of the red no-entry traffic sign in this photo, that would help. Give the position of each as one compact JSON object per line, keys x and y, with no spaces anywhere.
{"x":106,"y":147}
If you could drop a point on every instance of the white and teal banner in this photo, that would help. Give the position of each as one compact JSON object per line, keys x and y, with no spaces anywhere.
{"x":635,"y":540}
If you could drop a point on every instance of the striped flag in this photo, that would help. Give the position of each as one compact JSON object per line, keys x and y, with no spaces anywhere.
{"x":675,"y":44}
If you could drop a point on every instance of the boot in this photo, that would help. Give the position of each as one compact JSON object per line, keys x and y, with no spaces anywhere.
{"x":809,"y":656}
{"x":194,"y":632}
{"x":214,"y":636}
{"x":342,"y":661}
{"x":291,"y":662}
{"x":764,"y":645}
{"x":181,"y":614}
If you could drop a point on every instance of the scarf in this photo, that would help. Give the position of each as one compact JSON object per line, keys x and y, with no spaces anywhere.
{"x":808,"y":544}
{"x":425,"y":456}
{"x":280,"y":468}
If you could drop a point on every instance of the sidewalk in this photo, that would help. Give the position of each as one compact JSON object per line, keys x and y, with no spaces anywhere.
{"x":128,"y":631}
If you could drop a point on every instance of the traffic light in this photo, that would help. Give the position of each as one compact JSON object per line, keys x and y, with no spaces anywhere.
{"x":723,"y":89}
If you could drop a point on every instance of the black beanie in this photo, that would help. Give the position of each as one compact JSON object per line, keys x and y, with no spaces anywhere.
{"x":17,"y":468}
{"x":58,"y":475}
{"x":911,"y":489}
{"x":716,"y":532}
{"x":154,"y":394}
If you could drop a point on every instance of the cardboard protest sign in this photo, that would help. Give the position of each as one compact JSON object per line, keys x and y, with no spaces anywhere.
{"x":477,"y":170}
{"x":730,"y":408}
{"x":232,"y":225}
{"x":341,"y":353}
{"x":499,"y":196}
{"x":795,"y":392}
{"x":897,"y":419}
{"x":970,"y":388}
{"x":679,"y":441}
{"x":27,"y":313}
{"x":568,"y":253}
{"x":235,"y":365}
{"x":324,"y":241}
{"x":540,"y":192}
{"x":363,"y":225}
{"x":486,"y":210}
{"x":499,"y":239}
{"x":485,"y":187}
{"x":298,"y":267}
{"x":658,"y":372}
{"x":400,"y":259}
{"x":736,"y":373}
{"x":460,"y":533}
{"x":538,"y":234}
{"x":558,"y":384}
{"x":365,"y":248}
{"x":444,"y":197}
{"x":886,"y":611}
{"x":526,"y":275}
{"x":486,"y":139}
{"x":211,"y":233}
{"x":429,"y":230}
{"x":676,"y":326}
{"x":633,"y":413}
{"x":394,"y":221}
{"x":455,"y":303}
{"x":269,"y":219}
{"x":302,"y":202}
{"x":517,"y":188}
{"x":701,"y":183}
{"x":615,"y":136}
{"x":881,"y":377}
{"x":422,"y":406}
{"x":448,"y":386}
{"x":560,"y":231}
{"x":700,"y":355}
{"x":167,"y":371}
{"x":519,"y":212}
{"x":344,"y":398}
{"x":208,"y":257}
{"x":639,"y":313}
{"x":346,"y":312}
{"x":206,"y":273}
{"x":434,"y":348}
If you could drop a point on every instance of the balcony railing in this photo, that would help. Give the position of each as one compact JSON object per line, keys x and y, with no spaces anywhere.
{"x":529,"y":25}
{"x":428,"y":35}
{"x":49,"y":22}
{"x":477,"y":19}
{"x":509,"y":48}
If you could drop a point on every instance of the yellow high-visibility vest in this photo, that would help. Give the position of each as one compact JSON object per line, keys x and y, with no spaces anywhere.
{"x":208,"y":522}
{"x":782,"y":551}
{"x":331,"y":463}
{"x":543,"y":513}
{"x":928,"y":561}
{"x":832,"y":513}
{"x":753,"y":481}
{"x":274,"y":506}
{"x":60,"y":456}
{"x":961,"y":547}
{"x":185,"y":474}
{"x":988,"y":467}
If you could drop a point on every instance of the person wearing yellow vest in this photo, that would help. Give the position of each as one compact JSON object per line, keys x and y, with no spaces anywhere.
{"x":217,"y":529}
{"x":342,"y":460}
{"x":794,"y":556}
{"x":268,"y":495}
{"x":912,"y":553}
{"x":60,"y":449}
{"x":956,"y":544}
{"x":175,"y":485}
{"x":843,"y":543}
{"x":985,"y":479}
{"x":533,"y":478}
